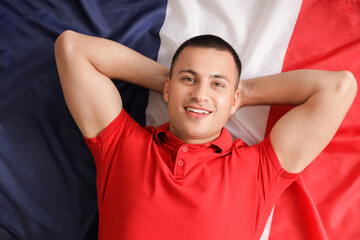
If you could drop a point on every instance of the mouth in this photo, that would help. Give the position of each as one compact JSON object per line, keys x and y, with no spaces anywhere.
{"x":197,"y":112}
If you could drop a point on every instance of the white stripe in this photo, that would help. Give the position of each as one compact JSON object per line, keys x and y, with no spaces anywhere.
{"x":266,"y":232}
{"x":259,"y":31}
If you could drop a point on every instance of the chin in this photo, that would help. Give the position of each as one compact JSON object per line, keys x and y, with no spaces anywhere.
{"x":202,"y":136}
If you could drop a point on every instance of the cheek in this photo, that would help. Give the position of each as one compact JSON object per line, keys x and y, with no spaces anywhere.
{"x":177,"y":93}
{"x":225,"y":102}
{"x":174,"y":99}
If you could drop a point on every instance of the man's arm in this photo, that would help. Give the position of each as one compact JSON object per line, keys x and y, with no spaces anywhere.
{"x":86,"y":64}
{"x":322,"y":99}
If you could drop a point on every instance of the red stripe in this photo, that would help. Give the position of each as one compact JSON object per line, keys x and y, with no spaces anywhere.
{"x":325,"y":202}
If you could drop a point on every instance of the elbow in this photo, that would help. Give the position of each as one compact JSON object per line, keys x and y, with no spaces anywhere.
{"x":347,"y":86}
{"x":344,"y":88}
{"x":64,"y":44}
{"x":351,"y":81}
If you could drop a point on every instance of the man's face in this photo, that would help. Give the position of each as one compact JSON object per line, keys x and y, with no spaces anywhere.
{"x":201,"y":93}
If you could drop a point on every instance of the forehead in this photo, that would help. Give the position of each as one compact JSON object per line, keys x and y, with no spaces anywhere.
{"x":206,"y":61}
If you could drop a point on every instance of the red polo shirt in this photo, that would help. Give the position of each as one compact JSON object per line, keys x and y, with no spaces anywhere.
{"x":151,"y":185}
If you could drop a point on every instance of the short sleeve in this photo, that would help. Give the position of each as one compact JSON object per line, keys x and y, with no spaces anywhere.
{"x":272,"y":179}
{"x":267,"y":152}
{"x":118,"y":124}
{"x":265,"y":178}
{"x":105,"y":147}
{"x":102,"y":145}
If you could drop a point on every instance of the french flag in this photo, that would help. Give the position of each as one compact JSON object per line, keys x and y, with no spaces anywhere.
{"x":47,"y":174}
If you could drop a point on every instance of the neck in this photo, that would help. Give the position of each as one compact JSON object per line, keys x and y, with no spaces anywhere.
{"x":193,"y":139}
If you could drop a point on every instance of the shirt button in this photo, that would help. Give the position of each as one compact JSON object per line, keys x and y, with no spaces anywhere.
{"x":180,"y":162}
{"x":185,"y":149}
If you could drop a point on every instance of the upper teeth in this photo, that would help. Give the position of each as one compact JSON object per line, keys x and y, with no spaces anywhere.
{"x":197,"y":110}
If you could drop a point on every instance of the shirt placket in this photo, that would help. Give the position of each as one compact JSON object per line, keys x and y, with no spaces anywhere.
{"x":180,"y":162}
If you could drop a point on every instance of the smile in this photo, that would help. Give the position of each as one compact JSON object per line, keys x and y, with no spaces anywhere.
{"x":200,"y":111}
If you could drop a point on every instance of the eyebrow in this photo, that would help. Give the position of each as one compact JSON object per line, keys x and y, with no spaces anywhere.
{"x":220,"y":76}
{"x":212,"y":76}
{"x":188,"y":71}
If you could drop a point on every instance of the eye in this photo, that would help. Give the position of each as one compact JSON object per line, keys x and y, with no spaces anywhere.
{"x":219,"y":84}
{"x":188,"y":79}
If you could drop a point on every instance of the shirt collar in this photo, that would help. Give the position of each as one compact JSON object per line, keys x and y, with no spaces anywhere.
{"x":223,"y":143}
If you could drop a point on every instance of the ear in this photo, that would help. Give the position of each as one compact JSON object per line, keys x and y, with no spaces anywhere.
{"x":236,"y":102}
{"x":166,"y":89}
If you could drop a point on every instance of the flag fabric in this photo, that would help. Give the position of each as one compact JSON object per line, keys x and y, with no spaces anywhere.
{"x":325,"y":202}
{"x":47,"y":174}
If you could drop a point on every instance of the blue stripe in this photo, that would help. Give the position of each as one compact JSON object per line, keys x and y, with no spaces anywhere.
{"x":47,"y":174}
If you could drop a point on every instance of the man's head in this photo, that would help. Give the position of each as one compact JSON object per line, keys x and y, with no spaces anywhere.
{"x":202,"y":89}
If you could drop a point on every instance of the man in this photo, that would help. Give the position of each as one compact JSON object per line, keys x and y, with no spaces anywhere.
{"x":188,"y":179}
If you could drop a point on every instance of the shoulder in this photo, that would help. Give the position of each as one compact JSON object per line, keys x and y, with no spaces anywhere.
{"x":122,"y":127}
{"x":263,"y":156}
{"x":257,"y":154}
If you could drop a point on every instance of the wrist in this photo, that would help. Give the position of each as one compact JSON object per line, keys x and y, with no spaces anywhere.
{"x":244,"y":93}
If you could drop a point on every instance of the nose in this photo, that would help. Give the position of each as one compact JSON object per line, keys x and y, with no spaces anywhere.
{"x":200,"y":93}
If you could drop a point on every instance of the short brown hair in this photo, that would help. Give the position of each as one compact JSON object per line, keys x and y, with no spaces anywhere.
{"x":208,"y":41}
